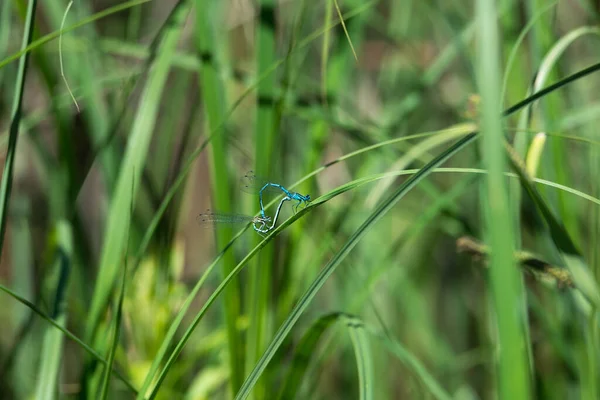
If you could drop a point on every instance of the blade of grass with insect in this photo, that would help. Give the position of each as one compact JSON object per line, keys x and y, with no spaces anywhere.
{"x":249,"y":383}
{"x":213,"y":91}
{"x":236,"y":270}
{"x":158,"y":360}
{"x":363,"y":181}
{"x":185,"y":170}
{"x":265,"y":142}
{"x":135,"y":155}
{"x":338,"y":258}
{"x":409,"y":184}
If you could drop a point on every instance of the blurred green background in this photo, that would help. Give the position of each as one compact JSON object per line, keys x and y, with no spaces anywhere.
{"x":450,"y":148}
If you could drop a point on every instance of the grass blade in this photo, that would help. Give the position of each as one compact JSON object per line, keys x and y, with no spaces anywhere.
{"x":506,"y":287}
{"x":213,"y":92}
{"x":364,"y":359}
{"x":51,"y":356}
{"x":117,"y":328}
{"x":15,"y":121}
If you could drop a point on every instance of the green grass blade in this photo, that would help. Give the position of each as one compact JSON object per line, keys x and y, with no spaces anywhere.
{"x":117,"y":328}
{"x":15,"y":121}
{"x":512,"y":363}
{"x":563,"y":82}
{"x":213,"y":92}
{"x":364,"y":359}
{"x":266,"y":158}
{"x":339,"y":257}
{"x":5,"y":21}
{"x":51,"y":356}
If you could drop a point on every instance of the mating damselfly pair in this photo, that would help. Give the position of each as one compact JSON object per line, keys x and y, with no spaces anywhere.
{"x":262,"y":223}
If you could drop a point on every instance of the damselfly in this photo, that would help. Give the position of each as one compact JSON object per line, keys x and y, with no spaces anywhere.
{"x":261,"y":224}
{"x":250,"y":183}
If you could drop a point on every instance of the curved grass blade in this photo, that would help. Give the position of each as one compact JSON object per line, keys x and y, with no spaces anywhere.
{"x":412,"y":362}
{"x":364,"y":360}
{"x":307,"y":347}
{"x":303,"y":303}
{"x":302,"y":355}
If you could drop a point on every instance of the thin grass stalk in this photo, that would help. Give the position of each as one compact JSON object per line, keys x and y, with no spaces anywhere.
{"x":512,"y":363}
{"x":266,"y":157}
{"x":15,"y":121}
{"x":213,"y":95}
{"x":53,"y":342}
{"x":5,"y":25}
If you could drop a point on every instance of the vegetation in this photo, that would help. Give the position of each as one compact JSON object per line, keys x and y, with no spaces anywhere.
{"x":450,"y":248}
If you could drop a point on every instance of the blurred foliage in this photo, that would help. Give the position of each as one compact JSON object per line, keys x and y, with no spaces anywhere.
{"x":361,"y":294}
